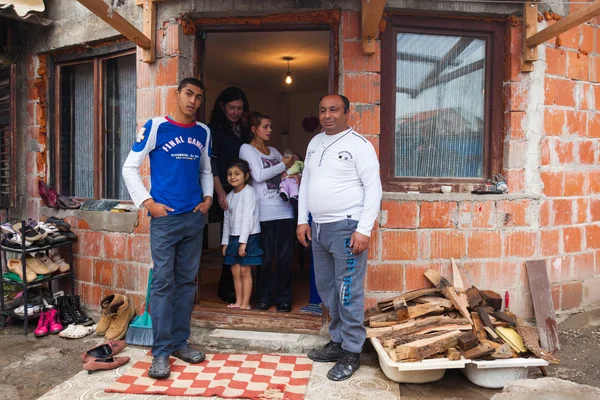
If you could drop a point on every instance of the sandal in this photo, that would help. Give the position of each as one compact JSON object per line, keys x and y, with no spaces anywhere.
{"x":51,"y":265}
{"x":16,"y":267}
{"x":37,"y":266}
{"x":78,"y":332}
{"x":62,"y":264}
{"x":232,"y":306}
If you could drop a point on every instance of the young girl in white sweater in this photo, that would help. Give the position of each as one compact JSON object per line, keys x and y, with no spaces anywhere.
{"x":241,"y":228}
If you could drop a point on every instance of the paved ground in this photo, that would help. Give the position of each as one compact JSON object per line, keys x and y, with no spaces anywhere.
{"x":31,"y":367}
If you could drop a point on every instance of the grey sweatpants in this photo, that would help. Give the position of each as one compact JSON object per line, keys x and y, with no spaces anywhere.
{"x":340,"y":277}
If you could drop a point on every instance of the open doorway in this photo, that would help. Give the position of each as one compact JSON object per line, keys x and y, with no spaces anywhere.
{"x":257,"y":62}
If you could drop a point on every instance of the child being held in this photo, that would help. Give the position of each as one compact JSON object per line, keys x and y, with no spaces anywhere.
{"x":289,"y":186}
{"x":241,"y":229}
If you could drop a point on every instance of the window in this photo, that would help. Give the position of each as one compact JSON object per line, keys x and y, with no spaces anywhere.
{"x":442,"y":98}
{"x":96,"y":123}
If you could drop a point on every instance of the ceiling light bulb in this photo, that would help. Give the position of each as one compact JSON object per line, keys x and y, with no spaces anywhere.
{"x":288,"y":78}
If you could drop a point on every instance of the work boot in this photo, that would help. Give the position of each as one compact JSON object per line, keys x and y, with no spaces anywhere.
{"x":160,"y":368}
{"x":347,"y":364}
{"x":65,"y":311}
{"x":109,"y":312}
{"x":189,"y":355}
{"x":82,"y":318}
{"x":120,"y":322}
{"x":332,"y":351}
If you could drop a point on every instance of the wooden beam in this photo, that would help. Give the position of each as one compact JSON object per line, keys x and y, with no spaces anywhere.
{"x":530,"y":27}
{"x":115,"y":20}
{"x":372,"y":11}
{"x":570,"y":21}
{"x":149,"y":28}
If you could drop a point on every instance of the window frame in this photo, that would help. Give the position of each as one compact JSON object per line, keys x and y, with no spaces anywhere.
{"x":493,"y":31}
{"x":99,"y":134}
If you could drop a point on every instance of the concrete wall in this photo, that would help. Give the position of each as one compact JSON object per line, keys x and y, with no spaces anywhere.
{"x":551,"y":158}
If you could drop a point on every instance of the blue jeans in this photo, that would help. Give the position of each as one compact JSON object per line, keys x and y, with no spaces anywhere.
{"x":176,"y":243}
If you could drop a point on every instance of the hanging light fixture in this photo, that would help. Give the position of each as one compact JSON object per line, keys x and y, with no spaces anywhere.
{"x":288,"y":77}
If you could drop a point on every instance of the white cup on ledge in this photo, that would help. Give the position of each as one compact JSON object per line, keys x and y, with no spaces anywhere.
{"x":446,"y":189}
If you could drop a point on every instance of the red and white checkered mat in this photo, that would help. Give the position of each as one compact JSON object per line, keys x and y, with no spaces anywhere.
{"x":234,"y":376}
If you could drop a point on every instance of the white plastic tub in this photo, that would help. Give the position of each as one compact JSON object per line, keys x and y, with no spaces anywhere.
{"x":497,"y":373}
{"x":415,"y":372}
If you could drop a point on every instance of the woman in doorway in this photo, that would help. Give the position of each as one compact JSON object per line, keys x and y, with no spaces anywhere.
{"x":228,"y":135}
{"x":276,"y":216}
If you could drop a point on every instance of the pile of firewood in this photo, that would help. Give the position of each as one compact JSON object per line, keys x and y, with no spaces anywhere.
{"x":447,"y":321}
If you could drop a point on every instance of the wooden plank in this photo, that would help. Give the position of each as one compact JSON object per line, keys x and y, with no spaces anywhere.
{"x":570,"y":21}
{"x":484,"y":317}
{"x":115,"y":20}
{"x":149,"y":29}
{"x":542,"y":302}
{"x":482,"y":350}
{"x":499,"y":315}
{"x":434,"y":277}
{"x":478,"y":328}
{"x":492,"y":299}
{"x":384,"y":317}
{"x":382,"y":324}
{"x":459,"y":301}
{"x":473,"y":297}
{"x":386,"y":305}
{"x":530,"y":27}
{"x":372,"y":11}
{"x":453,"y":354}
{"x":457,"y":281}
{"x":467,"y":341}
{"x":440,"y":328}
{"x":447,"y":304}
{"x":417,"y":311}
{"x":421,"y":349}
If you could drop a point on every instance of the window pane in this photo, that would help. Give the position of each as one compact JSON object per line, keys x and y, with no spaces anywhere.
{"x":77,"y":130}
{"x":440,"y":106}
{"x":119,"y":121}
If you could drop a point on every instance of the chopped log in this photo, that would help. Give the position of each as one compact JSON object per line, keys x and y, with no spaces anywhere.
{"x":387,"y":316}
{"x":372,"y":311}
{"x":492,"y":299}
{"x":382,"y":324}
{"x":500,"y":316}
{"x":492,"y":335}
{"x":434,"y":277}
{"x":503,"y":352}
{"x":484,"y":317}
{"x":467,"y":341}
{"x":450,"y":327}
{"x":447,"y":304}
{"x":453,"y":354}
{"x":457,"y":281}
{"x":427,"y":347}
{"x":459,"y":302}
{"x":413,"y":327}
{"x":388,"y":304}
{"x":473,"y":297}
{"x":407,"y":339}
{"x":402,"y":313}
{"x":484,"y":349}
{"x":478,"y":329}
{"x":417,"y":311}
{"x":531,"y":339}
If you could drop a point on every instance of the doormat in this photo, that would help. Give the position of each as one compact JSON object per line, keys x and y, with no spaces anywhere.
{"x":233,"y":376}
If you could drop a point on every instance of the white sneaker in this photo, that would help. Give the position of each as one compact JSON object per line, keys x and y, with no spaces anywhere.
{"x":31,"y":309}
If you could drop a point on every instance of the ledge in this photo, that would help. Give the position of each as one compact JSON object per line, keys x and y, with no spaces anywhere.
{"x":98,"y":220}
{"x":458,"y":196}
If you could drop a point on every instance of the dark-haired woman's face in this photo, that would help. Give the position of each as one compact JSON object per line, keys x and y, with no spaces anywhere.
{"x":233,"y":110}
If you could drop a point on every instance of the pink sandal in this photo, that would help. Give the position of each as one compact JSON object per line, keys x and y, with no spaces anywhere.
{"x":232,"y":306}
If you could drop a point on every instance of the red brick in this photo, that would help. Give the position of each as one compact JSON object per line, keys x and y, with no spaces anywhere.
{"x":515,"y":178}
{"x":103,"y":273}
{"x":546,"y":157}
{"x":400,"y":214}
{"x":90,"y":244}
{"x":145,"y":106}
{"x":587,"y":153}
{"x":351,"y":25}
{"x":571,"y":38}
{"x":385,"y":278}
{"x":594,"y":182}
{"x":517,"y":97}
{"x":95,"y":296}
{"x":415,"y":278}
{"x":592,"y":236}
{"x":545,"y":213}
{"x":438,"y":214}
{"x":595,"y":69}
{"x":143,"y":225}
{"x":31,"y":66}
{"x":553,"y":186}
{"x":374,"y":140}
{"x":485,"y":244}
{"x":512,"y":213}
{"x":30,"y":115}
{"x":374,"y":245}
{"x":571,"y":295}
{"x":576,"y":123}
{"x":583,"y":265}
{"x":594,"y":124}
{"x":556,"y":60}
{"x":520,"y":243}
{"x":447,"y":244}
{"x":166,"y":73}
{"x":582,"y":210}
{"x":595,"y":210}
{"x":512,"y":68}
{"x":574,"y":183}
{"x":465,"y":214}
{"x":356,"y":60}
{"x":503,"y":275}
{"x":514,"y":125}
{"x":587,"y":38}
{"x":562,"y":209}
{"x":471,"y":273}
{"x":84,"y":269}
{"x":170,"y":100}
{"x":549,"y":242}
{"x":560,"y":92}
{"x":365,"y":118}
{"x":127,"y":276}
{"x":556,"y":297}
{"x":483,"y":214}
{"x":172,"y":34}
{"x":572,"y":239}
{"x":564,"y":152}
{"x":559,"y":269}
{"x":578,"y":66}
{"x":139,"y":248}
{"x":423,"y":237}
{"x":362,"y":87}
{"x":554,"y":122}
{"x":399,"y":245}
{"x":116,"y":246}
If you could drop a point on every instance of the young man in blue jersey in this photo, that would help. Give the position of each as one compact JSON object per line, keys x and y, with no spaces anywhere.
{"x":182,"y":188}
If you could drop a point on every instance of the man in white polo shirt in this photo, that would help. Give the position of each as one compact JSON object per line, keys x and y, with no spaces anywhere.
{"x":341,"y":189}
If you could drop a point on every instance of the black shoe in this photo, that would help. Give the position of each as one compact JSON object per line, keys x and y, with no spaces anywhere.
{"x":189,"y":355}
{"x":345,"y":367}
{"x":160,"y":368}
{"x":262,"y":306}
{"x":81,"y":316}
{"x":284,"y":307}
{"x":332,"y":351}
{"x":283,"y":196}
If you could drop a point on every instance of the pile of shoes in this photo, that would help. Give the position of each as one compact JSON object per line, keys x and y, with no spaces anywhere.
{"x":52,"y":199}
{"x":36,"y":267}
{"x":117,"y":312}
{"x":71,"y":315}
{"x":36,"y":234}
{"x":103,"y":356}
{"x":37,"y":300}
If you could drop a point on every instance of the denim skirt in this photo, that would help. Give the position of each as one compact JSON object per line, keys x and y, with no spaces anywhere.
{"x":253,"y":251}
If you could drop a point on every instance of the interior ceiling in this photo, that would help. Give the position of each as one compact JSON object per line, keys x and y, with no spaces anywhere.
{"x":255,"y":59}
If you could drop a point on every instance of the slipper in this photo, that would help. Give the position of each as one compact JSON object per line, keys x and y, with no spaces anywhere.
{"x":51,"y":265}
{"x":232,"y":306}
{"x":78,"y":332}
{"x":16,"y":267}
{"x":37,"y":266}
{"x":68,"y":330}
{"x":62,"y":264}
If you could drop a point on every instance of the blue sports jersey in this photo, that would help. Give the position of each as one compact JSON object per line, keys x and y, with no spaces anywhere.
{"x":179,"y":154}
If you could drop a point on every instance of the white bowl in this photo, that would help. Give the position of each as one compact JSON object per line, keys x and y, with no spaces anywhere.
{"x":446,"y":189}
